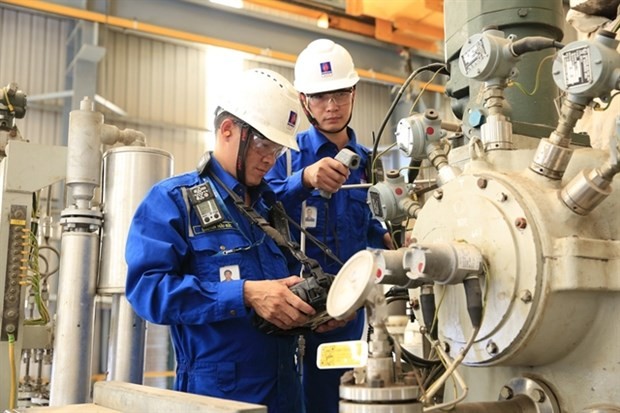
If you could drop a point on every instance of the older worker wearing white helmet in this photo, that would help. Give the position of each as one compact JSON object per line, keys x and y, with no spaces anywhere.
{"x":198,"y":264}
{"x":325,"y":78}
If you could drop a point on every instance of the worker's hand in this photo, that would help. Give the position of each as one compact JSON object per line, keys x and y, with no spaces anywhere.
{"x":327,"y":174}
{"x":333,"y":324}
{"x":410,"y":239}
{"x":388,"y":241}
{"x":273,"y":301}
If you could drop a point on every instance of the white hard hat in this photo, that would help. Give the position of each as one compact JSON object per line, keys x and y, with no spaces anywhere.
{"x":324,"y":66}
{"x":267,"y":102}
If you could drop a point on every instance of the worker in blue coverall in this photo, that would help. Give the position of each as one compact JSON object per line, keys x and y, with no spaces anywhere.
{"x":188,"y":237}
{"x":325,"y":78}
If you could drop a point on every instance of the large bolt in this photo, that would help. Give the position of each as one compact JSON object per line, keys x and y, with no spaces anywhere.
{"x":492,"y":347}
{"x":521,"y":223}
{"x":506,"y":393}
{"x":482,"y":183}
{"x":438,"y":194}
{"x":538,"y":395}
{"x":526,"y":296}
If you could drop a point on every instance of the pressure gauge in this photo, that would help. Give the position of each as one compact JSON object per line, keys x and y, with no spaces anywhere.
{"x":353,"y":284}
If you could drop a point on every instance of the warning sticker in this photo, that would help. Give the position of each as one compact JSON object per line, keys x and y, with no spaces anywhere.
{"x":342,"y":355}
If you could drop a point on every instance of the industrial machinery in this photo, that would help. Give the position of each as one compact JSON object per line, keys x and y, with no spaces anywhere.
{"x":89,"y":257}
{"x":511,"y":270}
{"x":512,"y":267}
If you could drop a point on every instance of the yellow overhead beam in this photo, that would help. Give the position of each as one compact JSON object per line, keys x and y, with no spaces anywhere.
{"x":357,"y":8}
{"x":384,"y":30}
{"x":434,"y":5}
{"x":418,"y":29}
{"x":137,"y":26}
{"x":287,"y":7}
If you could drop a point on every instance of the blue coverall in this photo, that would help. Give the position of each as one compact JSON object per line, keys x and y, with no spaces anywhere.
{"x":345,"y":224}
{"x":174,"y":278}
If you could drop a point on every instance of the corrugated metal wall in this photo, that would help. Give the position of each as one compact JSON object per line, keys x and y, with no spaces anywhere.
{"x":160,"y":84}
{"x":162,"y":87}
{"x":33,"y":55}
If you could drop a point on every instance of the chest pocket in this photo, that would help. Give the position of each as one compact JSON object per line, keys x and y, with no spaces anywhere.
{"x":216,"y":249}
{"x":357,"y":213}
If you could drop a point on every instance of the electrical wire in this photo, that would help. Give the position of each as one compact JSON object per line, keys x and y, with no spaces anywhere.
{"x":450,"y":367}
{"x":457,"y":378}
{"x":434,"y":374}
{"x":418,"y":361}
{"x":417,"y":99}
{"x":445,"y":358}
{"x":413,"y":75}
{"x":536,"y":81}
{"x":49,"y":273}
{"x":436,"y":315}
{"x":34,"y":280}
{"x":408,"y":356}
{"x":13,"y":385}
{"x":386,"y":150}
{"x":598,"y":107}
{"x":8,"y":101}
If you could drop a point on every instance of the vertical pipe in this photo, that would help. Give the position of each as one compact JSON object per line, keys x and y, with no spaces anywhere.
{"x":73,"y":340}
{"x":79,"y":259}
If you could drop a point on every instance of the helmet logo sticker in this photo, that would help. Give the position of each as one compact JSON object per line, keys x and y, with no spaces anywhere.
{"x":326,"y":68}
{"x":292,"y":119}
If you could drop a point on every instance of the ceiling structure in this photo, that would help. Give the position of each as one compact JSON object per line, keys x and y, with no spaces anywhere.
{"x":412,"y":24}
{"x":375,"y":32}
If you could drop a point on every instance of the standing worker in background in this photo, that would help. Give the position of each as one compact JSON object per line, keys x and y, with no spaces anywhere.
{"x":190,"y":230}
{"x":325,"y":78}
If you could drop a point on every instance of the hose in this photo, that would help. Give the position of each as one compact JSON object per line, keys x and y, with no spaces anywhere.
{"x":533,"y":44}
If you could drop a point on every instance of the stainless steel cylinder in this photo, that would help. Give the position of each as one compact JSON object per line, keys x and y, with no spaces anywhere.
{"x":129,"y":172}
{"x":84,"y":156}
{"x":127,"y":343}
{"x":70,"y":383}
{"x":444,"y":263}
{"x":585,"y":191}
{"x":391,"y":268}
{"x":551,"y":160}
{"x":497,"y":133}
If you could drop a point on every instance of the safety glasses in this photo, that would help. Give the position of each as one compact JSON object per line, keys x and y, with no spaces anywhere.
{"x":339,"y":97}
{"x":264,"y":146}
